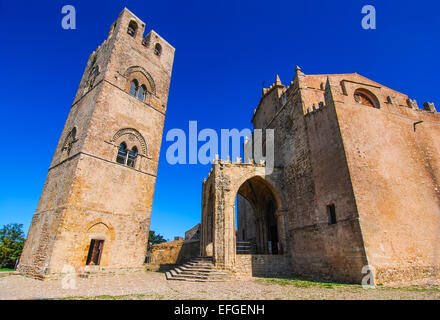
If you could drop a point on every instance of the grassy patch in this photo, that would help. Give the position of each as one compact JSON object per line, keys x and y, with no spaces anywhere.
{"x":154,"y":296}
{"x":6,"y":269}
{"x":415,"y":289}
{"x":302,"y":283}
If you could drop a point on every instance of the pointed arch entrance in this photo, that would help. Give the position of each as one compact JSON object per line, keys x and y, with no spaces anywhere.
{"x":258,"y":201}
{"x":255,"y":218}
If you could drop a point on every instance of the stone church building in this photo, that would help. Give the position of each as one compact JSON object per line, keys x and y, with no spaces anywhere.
{"x":355,"y":183}
{"x":355,"y":190}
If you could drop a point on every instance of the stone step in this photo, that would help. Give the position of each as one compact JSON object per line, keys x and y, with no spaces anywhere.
{"x":194,"y":280}
{"x":211,"y":270}
{"x":200,"y":269}
{"x":209,"y":273}
{"x":245,"y":247}
{"x":200,"y":265}
{"x":198,"y":273}
{"x":203,"y":259}
{"x":194,"y":276}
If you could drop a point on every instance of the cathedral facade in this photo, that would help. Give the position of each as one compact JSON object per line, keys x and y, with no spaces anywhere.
{"x":354,"y":191}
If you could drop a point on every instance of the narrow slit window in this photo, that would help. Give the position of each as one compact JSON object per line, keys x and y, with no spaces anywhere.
{"x":132,"y":28}
{"x":134,"y":88}
{"x":132,"y":157}
{"x":157,"y":49}
{"x":331,"y":211}
{"x":141,"y":93}
{"x":122,"y":153}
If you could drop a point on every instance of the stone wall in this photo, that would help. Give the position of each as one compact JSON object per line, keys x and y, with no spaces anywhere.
{"x":375,"y":161}
{"x":395,"y":171}
{"x":261,"y":265}
{"x":167,"y":254}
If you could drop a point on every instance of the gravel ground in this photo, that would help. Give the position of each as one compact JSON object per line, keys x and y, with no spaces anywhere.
{"x":153,"y":285}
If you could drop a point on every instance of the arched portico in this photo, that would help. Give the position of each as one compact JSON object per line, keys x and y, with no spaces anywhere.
{"x":256,"y":223}
{"x":262,"y":191}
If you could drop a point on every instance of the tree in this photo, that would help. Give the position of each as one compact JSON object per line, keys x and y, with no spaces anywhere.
{"x":11,"y":244}
{"x":155,"y":238}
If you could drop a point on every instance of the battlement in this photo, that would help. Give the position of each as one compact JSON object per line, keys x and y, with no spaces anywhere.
{"x":313,"y":92}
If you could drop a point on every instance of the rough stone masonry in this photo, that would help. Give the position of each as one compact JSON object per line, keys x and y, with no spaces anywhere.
{"x":356,"y":184}
{"x":356,"y":178}
{"x":94,"y":211}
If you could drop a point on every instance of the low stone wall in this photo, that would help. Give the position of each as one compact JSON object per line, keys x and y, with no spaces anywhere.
{"x":7,"y":273}
{"x":261,"y":265}
{"x":166,"y":255}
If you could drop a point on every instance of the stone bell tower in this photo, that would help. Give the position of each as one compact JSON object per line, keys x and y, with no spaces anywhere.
{"x":96,"y":202}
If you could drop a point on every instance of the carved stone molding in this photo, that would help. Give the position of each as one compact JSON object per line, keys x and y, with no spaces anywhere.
{"x":132,"y":134}
{"x":145,"y":73}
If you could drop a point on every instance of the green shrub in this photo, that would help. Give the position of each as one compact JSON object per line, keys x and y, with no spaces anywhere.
{"x":11,"y":244}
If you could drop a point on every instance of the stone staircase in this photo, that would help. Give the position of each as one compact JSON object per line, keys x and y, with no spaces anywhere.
{"x":200,"y":269}
{"x":245,"y":247}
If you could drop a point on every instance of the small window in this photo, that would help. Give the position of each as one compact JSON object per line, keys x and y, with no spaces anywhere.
{"x":73,"y":133}
{"x":142,"y":92}
{"x":366,"y":98}
{"x":157,"y":49}
{"x":284,"y":99}
{"x":132,"y":28}
{"x":95,"y":252}
{"x":68,"y":143}
{"x":125,"y":156}
{"x":331,"y":211}
{"x":132,"y":157}
{"x":134,"y":88}
{"x":122,"y":153}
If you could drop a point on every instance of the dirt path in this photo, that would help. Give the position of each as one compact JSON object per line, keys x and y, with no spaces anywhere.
{"x":153,"y":285}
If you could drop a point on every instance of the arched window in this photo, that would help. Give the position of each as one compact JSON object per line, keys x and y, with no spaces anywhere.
{"x":134,"y":86}
{"x":131,"y":160}
{"x":142,"y":92}
{"x":366,"y":98}
{"x":132,"y":28}
{"x":68,"y":143}
{"x":137,"y":91}
{"x":122,"y":153}
{"x":126,"y":157}
{"x":157,"y":49}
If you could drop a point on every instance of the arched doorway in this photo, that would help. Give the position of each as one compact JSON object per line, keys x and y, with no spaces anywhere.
{"x":256,"y":226}
{"x":264,"y":216}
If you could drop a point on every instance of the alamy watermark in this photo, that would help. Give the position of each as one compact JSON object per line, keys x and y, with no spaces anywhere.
{"x":69,"y":20}
{"x":69,"y":279}
{"x":257,"y":147}
{"x":369,"y":20}
{"x":368,"y":279}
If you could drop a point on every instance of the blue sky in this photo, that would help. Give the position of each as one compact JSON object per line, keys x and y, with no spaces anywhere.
{"x":225,"y":50}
